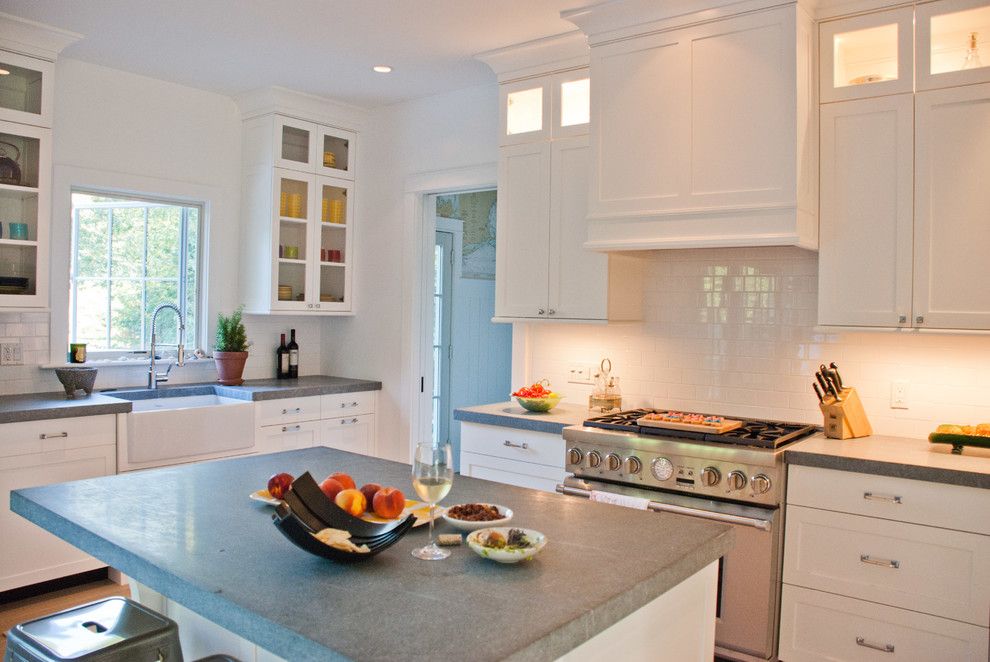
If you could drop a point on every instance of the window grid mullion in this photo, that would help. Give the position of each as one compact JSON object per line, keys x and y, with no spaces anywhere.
{"x":109,"y":280}
{"x":144,"y":284}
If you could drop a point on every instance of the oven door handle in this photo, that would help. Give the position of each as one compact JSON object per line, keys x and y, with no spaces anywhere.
{"x":656,"y":506}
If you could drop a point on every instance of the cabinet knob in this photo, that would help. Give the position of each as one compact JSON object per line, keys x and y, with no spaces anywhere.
{"x":552,"y":312}
{"x":542,"y":312}
{"x":309,"y":305}
{"x":902,"y":319}
{"x":317,"y":305}
{"x":920,"y":319}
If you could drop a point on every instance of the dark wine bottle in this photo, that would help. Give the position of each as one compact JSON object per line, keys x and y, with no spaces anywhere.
{"x":282,"y":360}
{"x":293,"y":355}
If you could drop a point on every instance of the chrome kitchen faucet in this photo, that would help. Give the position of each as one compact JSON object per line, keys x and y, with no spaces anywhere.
{"x":154,"y":378}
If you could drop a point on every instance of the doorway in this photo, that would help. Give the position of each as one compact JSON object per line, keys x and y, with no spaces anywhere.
{"x":472,"y":357}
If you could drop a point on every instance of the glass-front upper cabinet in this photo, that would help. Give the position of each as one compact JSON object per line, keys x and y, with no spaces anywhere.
{"x":552,"y":106}
{"x":953,"y":43}
{"x":295,"y":144}
{"x":571,"y":103}
{"x":25,"y":89}
{"x":335,"y":153}
{"x":867,"y":56}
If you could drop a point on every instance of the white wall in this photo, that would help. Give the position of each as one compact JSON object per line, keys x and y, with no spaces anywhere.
{"x":425,"y":135}
{"x":732,"y":331}
{"x":110,"y":120}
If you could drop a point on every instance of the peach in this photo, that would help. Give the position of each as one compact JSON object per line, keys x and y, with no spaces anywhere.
{"x":331,"y":488}
{"x":344,"y":480}
{"x":389,"y":502}
{"x":369,"y":491}
{"x":351,"y":501}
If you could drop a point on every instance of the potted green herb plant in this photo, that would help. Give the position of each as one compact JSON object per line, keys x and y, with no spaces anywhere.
{"x":230,"y":351}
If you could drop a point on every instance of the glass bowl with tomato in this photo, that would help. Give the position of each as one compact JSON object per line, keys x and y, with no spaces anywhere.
{"x":538,"y":397}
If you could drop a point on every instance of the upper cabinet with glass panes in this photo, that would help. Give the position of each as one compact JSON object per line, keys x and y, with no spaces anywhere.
{"x":25,"y":89}
{"x":953,"y":43}
{"x":546,"y":107}
{"x":309,"y":147}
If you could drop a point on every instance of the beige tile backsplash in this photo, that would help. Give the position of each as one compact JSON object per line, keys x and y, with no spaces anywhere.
{"x":732,"y":331}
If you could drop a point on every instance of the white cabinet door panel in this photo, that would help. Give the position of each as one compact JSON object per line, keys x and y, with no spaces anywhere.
{"x":511,"y":472}
{"x":351,"y":404}
{"x":952,"y":208}
{"x":523,"y":234}
{"x":290,"y":410}
{"x":867,"y":185}
{"x":512,"y":444}
{"x":350,"y":433}
{"x":275,"y":438}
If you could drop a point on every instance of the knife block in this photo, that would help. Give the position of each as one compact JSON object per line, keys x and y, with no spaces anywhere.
{"x":845,"y":419}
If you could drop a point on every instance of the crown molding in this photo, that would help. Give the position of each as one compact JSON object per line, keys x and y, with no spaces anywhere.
{"x":539,"y":56}
{"x":38,"y":40}
{"x":300,"y":105}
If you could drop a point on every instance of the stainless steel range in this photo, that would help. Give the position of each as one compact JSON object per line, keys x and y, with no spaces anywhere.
{"x":736,"y":477}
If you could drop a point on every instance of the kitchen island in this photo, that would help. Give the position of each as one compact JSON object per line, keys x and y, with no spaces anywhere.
{"x":192,"y":534}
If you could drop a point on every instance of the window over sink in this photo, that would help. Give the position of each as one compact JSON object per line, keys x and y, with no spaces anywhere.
{"x":130,"y":254}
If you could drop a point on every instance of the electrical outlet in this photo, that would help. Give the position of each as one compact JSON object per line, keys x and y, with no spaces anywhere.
{"x":10,"y":353}
{"x":579,"y":374}
{"x":899,"y":394}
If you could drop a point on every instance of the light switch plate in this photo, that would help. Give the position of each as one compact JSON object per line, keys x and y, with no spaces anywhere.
{"x":10,"y":353}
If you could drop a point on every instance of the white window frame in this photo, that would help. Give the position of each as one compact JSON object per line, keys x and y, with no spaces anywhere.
{"x":211,"y":200}
{"x":126,"y":201}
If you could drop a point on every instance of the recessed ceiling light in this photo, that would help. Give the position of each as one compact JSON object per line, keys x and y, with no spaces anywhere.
{"x":4,"y":72}
{"x":382,"y":68}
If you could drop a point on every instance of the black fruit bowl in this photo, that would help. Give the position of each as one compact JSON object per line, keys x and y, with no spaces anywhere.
{"x":301,"y":535}
{"x":308,"y":502}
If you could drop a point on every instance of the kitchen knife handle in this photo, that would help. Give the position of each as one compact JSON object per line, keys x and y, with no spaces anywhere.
{"x":818,"y":392}
{"x":835,"y":371}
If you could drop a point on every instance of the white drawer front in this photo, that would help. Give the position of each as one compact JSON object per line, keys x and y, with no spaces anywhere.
{"x":934,"y":571}
{"x":350,"y":433}
{"x":511,"y":472}
{"x":287,"y":437}
{"x":57,"y":434}
{"x":512,"y":444}
{"x":348,"y":404}
{"x":901,"y":499}
{"x":816,"y":626}
{"x":290,"y":410}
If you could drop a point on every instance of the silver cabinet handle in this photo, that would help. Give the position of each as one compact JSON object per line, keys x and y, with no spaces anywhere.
{"x":510,"y":444}
{"x":891,"y":498}
{"x":551,"y":312}
{"x":345,"y":405}
{"x":317,"y":305}
{"x":920,"y":319}
{"x":291,"y":428}
{"x":885,"y":648}
{"x":53,"y":436}
{"x":297,"y":410}
{"x":542,"y":312}
{"x":350,"y":422}
{"x":883,"y":563}
{"x":902,"y":319}
{"x":309,"y":305}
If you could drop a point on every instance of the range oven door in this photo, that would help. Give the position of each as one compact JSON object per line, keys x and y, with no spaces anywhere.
{"x":749,"y":575}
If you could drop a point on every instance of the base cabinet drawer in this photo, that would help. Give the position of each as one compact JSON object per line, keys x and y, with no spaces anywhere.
{"x":512,"y":444}
{"x":290,"y":410}
{"x":817,"y":626}
{"x":350,"y":433}
{"x":511,"y":472}
{"x":57,"y":434}
{"x":348,"y":404}
{"x":935,"y":571}
{"x":287,"y":437}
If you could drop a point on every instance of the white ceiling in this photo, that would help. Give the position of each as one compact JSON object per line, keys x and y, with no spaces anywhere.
{"x":323,"y":47}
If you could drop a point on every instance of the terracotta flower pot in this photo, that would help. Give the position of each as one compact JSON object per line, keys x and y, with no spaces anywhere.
{"x":230,"y":367}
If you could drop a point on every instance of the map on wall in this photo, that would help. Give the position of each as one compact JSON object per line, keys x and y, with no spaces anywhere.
{"x":477,"y":211}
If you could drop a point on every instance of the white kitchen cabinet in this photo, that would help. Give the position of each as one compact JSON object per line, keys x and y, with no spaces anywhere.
{"x":946,"y":33}
{"x":865,"y":257}
{"x":41,"y":453}
{"x":882,"y":563}
{"x":287,"y":410}
{"x":26,"y":89}
{"x":287,"y":436}
{"x":952,"y":205}
{"x":341,"y":420}
{"x":516,"y":457}
{"x":867,"y":55}
{"x":299,"y":201}
{"x":349,"y":433}
{"x":703,"y":135}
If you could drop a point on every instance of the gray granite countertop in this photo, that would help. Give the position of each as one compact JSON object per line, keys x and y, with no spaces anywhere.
{"x":191,"y":533}
{"x":42,"y":406}
{"x":895,"y":456}
{"x":511,"y":415}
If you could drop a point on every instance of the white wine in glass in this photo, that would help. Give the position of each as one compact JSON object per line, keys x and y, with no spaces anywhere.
{"x":432,"y":476}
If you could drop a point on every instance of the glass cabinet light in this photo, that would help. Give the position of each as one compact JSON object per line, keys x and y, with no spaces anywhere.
{"x":524,"y":111}
{"x":865,"y":56}
{"x":575,"y":102}
{"x":957,"y":39}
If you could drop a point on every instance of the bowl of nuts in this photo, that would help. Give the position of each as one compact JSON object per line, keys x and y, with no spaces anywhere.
{"x":474,"y":516}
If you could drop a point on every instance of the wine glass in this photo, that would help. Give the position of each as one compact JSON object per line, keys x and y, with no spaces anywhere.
{"x":432,"y":476}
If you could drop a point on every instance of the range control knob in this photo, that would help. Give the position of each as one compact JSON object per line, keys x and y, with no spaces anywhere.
{"x":574,"y":456}
{"x":633,"y":465}
{"x":594,"y":459}
{"x":760,"y":483}
{"x":613,"y":462}
{"x":710,"y":476}
{"x":736,"y":480}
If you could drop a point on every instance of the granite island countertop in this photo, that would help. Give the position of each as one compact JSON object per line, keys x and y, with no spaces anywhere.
{"x":191,"y":533}
{"x":511,"y":415}
{"x":899,"y":457}
{"x":42,"y":406}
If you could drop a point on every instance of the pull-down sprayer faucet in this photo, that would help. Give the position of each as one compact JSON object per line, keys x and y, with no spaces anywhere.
{"x":154,"y":378}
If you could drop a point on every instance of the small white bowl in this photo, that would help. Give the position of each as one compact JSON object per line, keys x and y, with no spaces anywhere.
{"x":506,"y":555}
{"x":468,"y":525}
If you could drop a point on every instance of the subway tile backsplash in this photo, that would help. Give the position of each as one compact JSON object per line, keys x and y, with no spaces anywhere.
{"x":732,"y":331}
